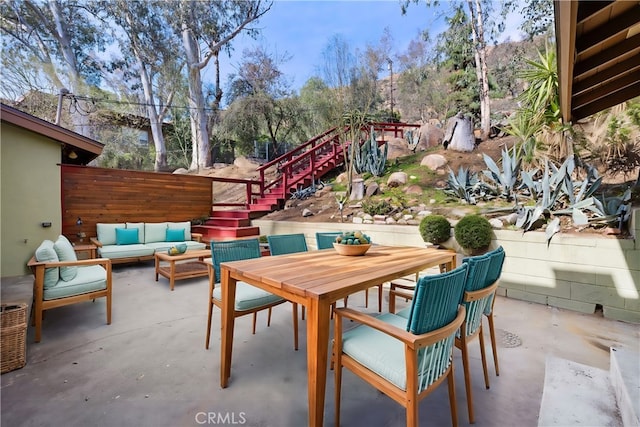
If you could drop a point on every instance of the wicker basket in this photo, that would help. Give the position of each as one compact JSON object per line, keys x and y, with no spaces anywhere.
{"x":13,"y":337}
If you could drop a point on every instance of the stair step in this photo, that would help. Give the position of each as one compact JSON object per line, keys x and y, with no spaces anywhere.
{"x":228,"y":222}
{"x":577,"y":394}
{"x":209,"y":232}
{"x":262,"y":207}
{"x":625,"y":379}
{"x":237,"y":213}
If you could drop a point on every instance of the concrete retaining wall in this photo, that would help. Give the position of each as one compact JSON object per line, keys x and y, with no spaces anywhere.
{"x":576,"y":272}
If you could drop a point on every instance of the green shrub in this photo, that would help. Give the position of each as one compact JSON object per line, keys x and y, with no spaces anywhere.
{"x":473,"y":233}
{"x":435,"y":229}
{"x":376,"y":207}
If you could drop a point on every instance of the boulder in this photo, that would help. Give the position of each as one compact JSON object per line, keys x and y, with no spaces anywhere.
{"x":413,"y":189}
{"x":434,"y":161}
{"x":372,"y":189}
{"x":397,"y":179}
{"x":458,"y":135}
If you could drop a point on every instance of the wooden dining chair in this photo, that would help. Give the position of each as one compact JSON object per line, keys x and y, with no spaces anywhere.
{"x":249,"y":299}
{"x":324,"y":240}
{"x":475,"y":298}
{"x":493,"y":275}
{"x":405,"y":358}
{"x":477,"y":294}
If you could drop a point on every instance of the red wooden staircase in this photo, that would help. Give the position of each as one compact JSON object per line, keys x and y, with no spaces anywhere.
{"x":299,"y":168}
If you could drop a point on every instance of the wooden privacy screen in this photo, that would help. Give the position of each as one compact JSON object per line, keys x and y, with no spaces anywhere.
{"x":114,"y":195}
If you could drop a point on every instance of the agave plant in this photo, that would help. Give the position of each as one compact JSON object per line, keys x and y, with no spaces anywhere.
{"x":504,"y":179}
{"x":413,"y":139}
{"x":462,"y":185}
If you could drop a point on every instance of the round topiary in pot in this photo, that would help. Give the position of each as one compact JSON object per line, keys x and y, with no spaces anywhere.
{"x":473,"y":233}
{"x":435,"y":229}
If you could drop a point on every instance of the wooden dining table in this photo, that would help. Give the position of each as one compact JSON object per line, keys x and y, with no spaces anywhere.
{"x":316,"y":279}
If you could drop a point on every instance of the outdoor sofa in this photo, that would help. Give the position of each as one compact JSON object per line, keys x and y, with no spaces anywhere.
{"x":138,"y":241}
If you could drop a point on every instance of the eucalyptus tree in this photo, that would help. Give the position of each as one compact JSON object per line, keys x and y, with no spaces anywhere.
{"x":206,"y":28}
{"x":262,"y":101}
{"x":479,"y":11}
{"x":149,"y":55}
{"x":61,"y":39}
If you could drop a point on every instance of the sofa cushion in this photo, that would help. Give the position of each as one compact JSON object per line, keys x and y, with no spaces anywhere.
{"x":90,"y":278}
{"x":140,"y":227}
{"x":127,"y":236}
{"x":175,"y":235}
{"x":46,"y":253}
{"x":65,"y":252}
{"x":155,"y":232}
{"x":125,"y":251}
{"x":185,"y":225}
{"x":106,"y":233}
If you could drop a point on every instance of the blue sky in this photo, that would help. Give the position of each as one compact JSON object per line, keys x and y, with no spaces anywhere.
{"x":302,"y":29}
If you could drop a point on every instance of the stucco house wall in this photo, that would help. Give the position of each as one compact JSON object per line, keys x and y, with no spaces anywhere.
{"x":30,"y":196}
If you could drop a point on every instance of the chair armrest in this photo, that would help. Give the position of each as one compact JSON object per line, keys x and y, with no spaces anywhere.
{"x":400,"y":293}
{"x":411,"y":340}
{"x":480,"y":294}
{"x":95,"y":241}
{"x":79,"y":263}
{"x":196,"y":237}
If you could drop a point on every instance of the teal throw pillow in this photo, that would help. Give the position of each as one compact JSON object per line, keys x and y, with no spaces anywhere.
{"x":127,"y":236}
{"x":175,"y":235}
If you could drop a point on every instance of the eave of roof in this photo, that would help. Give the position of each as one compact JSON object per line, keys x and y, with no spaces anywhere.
{"x":90,"y":149}
{"x":598,"y":55}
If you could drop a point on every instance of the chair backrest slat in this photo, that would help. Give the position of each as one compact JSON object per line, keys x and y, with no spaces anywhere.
{"x":233,"y":250}
{"x":325,"y":239}
{"x":280,"y":244}
{"x":436,"y":299}
{"x":476,"y":280}
{"x":493,"y":274}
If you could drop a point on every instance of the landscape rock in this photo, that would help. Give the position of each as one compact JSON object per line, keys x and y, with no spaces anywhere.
{"x":496,"y":223}
{"x":434,"y":161}
{"x":306,"y":212}
{"x":397,"y":179}
{"x":413,"y":189}
{"x":372,"y":189}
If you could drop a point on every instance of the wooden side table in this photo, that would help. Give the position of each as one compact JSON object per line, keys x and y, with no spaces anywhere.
{"x":192,"y":265}
{"x":89,"y":248}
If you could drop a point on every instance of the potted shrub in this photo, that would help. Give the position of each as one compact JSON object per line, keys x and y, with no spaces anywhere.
{"x":435,"y":229}
{"x":473,"y":233}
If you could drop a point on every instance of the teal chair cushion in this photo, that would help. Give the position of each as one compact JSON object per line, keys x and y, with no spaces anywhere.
{"x":378,"y":351}
{"x":65,"y":252}
{"x":248,"y":297}
{"x":46,"y":253}
{"x":88,"y":279}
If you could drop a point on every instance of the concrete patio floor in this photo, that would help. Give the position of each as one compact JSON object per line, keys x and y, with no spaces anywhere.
{"x":150,"y":367}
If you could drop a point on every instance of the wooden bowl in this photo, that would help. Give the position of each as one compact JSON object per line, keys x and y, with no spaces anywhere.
{"x":351,"y":250}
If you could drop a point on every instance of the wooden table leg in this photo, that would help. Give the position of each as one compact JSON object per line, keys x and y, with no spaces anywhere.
{"x":227,"y":320}
{"x":157,"y":267}
{"x":317,"y":350}
{"x":172,"y":274}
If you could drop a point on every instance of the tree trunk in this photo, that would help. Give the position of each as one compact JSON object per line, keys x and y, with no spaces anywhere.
{"x":199,"y":132}
{"x":480,"y":54}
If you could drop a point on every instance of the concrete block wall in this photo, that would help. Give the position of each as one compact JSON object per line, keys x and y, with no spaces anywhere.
{"x":579,"y":272}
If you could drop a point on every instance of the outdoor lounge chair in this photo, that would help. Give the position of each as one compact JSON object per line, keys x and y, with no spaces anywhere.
{"x":249,"y":299}
{"x":405,"y":358}
{"x":61,"y":279}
